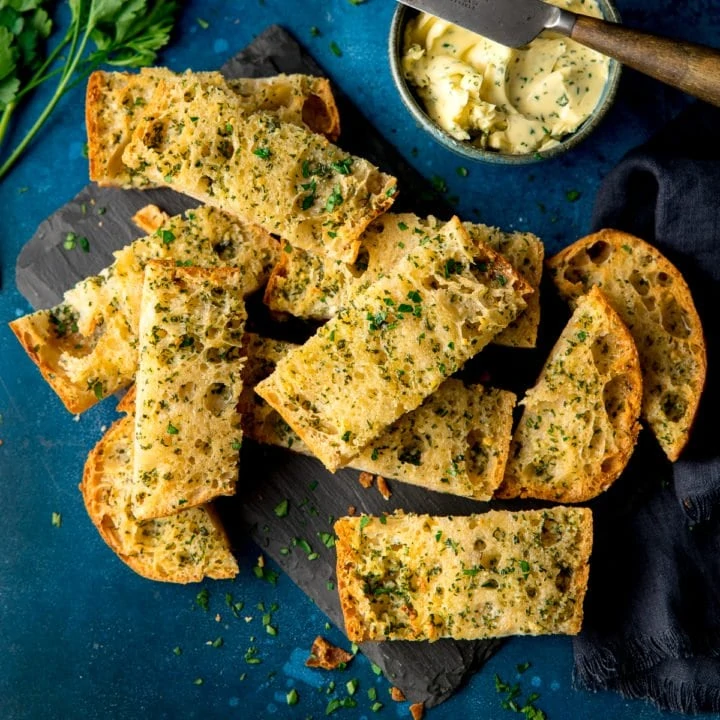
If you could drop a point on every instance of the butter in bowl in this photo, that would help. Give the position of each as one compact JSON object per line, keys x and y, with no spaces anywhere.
{"x":505,"y":105}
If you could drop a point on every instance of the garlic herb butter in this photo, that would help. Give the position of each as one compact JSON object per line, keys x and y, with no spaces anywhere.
{"x":515,"y":101}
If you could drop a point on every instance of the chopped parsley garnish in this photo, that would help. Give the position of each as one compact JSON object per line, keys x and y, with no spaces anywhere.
{"x":204,"y":24}
{"x":462,"y":171}
{"x":262,"y":152}
{"x":344,"y":167}
{"x":56,"y":519}
{"x":439,"y":184}
{"x":98,"y":390}
{"x":202,"y":599}
{"x":309,"y":200}
{"x":334,"y":200}
{"x":314,"y":31}
{"x":292,"y":697}
{"x":573,"y":195}
{"x":335,"y":49}
{"x":172,"y":430}
{"x":281,"y":509}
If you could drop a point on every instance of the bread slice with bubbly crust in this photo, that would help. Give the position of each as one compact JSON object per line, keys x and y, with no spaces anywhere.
{"x":294,"y":183}
{"x":580,"y":422}
{"x":189,"y":379}
{"x":313,"y":286}
{"x":418,"y":577}
{"x":116,"y":100}
{"x":654,"y":301}
{"x":393,"y":344}
{"x":181,"y":548}
{"x":86,"y":347}
{"x":456,"y":442}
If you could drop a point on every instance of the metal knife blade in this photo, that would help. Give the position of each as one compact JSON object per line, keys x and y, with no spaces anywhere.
{"x":509,"y":22}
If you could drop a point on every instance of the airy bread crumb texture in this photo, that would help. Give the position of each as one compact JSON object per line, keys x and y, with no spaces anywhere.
{"x":393,"y":344}
{"x":189,"y":379}
{"x":417,"y":577}
{"x":115,"y":102}
{"x":181,"y":548}
{"x":196,"y":139}
{"x":313,"y":286}
{"x":86,"y":347}
{"x":580,"y":421}
{"x":455,"y":442}
{"x":654,"y":301}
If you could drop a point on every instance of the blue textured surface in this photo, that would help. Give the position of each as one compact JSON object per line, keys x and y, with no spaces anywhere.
{"x":80,"y":635}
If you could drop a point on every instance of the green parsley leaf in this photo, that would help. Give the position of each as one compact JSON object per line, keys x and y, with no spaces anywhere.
{"x":281,"y":509}
{"x":262,"y":152}
{"x":204,"y":24}
{"x":573,"y":195}
{"x":335,"y":49}
{"x":172,"y":430}
{"x":56,"y":519}
{"x":292,"y":697}
{"x":202,"y":599}
{"x":334,"y":200}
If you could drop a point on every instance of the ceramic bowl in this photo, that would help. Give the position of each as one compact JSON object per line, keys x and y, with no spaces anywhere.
{"x":414,"y":104}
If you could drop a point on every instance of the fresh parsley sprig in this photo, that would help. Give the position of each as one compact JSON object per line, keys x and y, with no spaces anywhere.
{"x":123,"y":32}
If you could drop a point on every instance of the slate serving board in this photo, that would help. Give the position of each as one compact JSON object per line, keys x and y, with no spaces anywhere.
{"x":424,"y":672}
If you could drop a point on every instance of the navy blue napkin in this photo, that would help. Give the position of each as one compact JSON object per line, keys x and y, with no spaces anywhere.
{"x":652,"y":612}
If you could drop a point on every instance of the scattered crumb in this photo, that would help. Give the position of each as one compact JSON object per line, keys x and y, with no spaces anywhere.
{"x":1,"y":442}
{"x":248,"y":618}
{"x":351,"y":510}
{"x":261,"y":561}
{"x":366,"y":479}
{"x":383,"y":487}
{"x":397,"y":694}
{"x":76,"y":418}
{"x":218,"y":618}
{"x":326,"y":656}
{"x":103,"y":428}
{"x":417,"y":710}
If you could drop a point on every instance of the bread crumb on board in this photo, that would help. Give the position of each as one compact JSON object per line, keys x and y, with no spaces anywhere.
{"x":383,"y":487}
{"x":327,"y":656}
{"x":417,"y":711}
{"x":397,"y":694}
{"x":365,"y":479}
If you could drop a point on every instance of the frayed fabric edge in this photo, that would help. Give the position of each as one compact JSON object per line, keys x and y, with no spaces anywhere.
{"x":666,"y":694}
{"x":605,"y":664}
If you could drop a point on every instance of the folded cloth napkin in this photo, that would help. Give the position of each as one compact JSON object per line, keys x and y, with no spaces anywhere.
{"x":652,"y":613}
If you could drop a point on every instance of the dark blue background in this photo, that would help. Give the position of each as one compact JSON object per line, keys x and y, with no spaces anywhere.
{"x":80,"y":634}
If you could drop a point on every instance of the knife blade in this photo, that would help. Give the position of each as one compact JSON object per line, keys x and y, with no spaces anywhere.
{"x":509,"y":22}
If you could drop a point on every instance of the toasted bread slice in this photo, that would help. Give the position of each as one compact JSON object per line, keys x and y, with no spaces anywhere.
{"x":115,"y":101}
{"x":182,"y":548}
{"x":189,"y":379}
{"x":456,"y":442}
{"x":312,"y":286}
{"x":654,"y":301}
{"x":394,"y":344}
{"x":417,"y":577}
{"x":525,"y":252}
{"x":580,"y":422}
{"x":294,"y":183}
{"x":86,"y":347}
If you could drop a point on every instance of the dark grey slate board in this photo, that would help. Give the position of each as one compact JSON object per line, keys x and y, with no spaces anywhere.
{"x":424,"y":672}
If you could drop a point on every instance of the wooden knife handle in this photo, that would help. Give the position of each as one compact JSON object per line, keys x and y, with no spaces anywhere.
{"x":692,"y":68}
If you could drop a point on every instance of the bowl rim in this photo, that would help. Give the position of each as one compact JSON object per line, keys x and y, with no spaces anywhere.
{"x":400,"y":18}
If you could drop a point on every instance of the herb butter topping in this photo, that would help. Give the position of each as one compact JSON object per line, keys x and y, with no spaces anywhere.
{"x":513,"y":100}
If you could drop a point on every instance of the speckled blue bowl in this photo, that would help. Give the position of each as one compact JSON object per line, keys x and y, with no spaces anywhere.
{"x":414,"y":104}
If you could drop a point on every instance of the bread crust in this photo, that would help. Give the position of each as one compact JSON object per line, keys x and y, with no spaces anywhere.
{"x":417,"y":577}
{"x":143,"y":546}
{"x":653,"y":299}
{"x":580,"y":422}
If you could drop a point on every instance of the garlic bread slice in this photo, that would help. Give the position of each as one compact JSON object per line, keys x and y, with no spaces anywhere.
{"x":580,"y":421}
{"x":654,"y":301}
{"x":189,"y":379}
{"x":182,"y":548}
{"x":418,"y":577}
